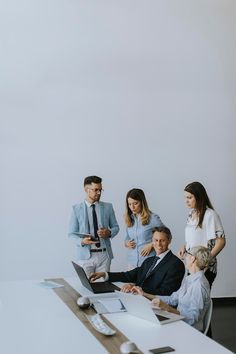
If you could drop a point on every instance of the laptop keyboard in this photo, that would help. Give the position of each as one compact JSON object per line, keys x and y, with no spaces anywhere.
{"x":161,"y":318}
{"x":104,"y":286}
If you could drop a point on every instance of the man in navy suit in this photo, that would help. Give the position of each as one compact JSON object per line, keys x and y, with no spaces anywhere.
{"x":97,"y":222}
{"x":158,"y":275}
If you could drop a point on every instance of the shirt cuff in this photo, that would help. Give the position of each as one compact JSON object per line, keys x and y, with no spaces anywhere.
{"x":106,"y":278}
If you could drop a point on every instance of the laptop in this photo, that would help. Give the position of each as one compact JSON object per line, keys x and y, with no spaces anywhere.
{"x":96,"y":288}
{"x":139,"y":306}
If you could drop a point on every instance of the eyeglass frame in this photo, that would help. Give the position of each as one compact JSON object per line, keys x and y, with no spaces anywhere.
{"x":96,"y":190}
{"x":187,"y":252}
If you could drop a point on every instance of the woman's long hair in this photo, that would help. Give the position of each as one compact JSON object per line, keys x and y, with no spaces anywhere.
{"x":202,"y":200}
{"x":137,"y":194}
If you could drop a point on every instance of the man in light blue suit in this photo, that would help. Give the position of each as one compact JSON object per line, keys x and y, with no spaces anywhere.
{"x":96,"y":221}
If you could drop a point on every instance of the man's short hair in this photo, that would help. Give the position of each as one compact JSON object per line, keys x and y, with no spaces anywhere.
{"x":92,"y":179}
{"x":164,"y":230}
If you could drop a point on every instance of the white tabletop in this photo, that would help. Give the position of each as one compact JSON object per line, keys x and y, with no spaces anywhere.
{"x":179,"y":335}
{"x":34,"y":320}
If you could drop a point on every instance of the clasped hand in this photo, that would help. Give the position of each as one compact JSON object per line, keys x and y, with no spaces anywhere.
{"x":131,"y":288}
{"x":88,"y":241}
{"x":131,"y":244}
{"x":104,"y":233}
{"x":146,"y":250}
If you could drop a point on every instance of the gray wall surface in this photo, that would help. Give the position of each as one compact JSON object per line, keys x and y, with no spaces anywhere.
{"x":141,"y":93}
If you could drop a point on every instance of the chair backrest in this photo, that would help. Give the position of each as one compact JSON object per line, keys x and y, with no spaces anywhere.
{"x":207,"y":318}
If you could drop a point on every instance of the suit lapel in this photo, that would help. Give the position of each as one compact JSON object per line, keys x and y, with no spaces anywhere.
{"x":101,"y":207}
{"x":161,"y":264}
{"x":86,"y":221}
{"x":147,"y":267}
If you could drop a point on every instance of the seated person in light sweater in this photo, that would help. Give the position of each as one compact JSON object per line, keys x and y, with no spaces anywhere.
{"x":193,"y":298}
{"x":158,"y":275}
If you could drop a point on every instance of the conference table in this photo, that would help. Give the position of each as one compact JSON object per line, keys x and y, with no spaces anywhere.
{"x":35,"y":320}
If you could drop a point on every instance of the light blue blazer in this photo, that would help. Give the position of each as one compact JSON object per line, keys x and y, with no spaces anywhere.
{"x":79,"y":223}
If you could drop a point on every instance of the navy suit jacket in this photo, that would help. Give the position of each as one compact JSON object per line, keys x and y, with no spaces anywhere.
{"x":165,"y":278}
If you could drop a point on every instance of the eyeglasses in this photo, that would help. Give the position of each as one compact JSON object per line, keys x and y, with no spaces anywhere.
{"x":187,"y":252}
{"x":96,"y":190}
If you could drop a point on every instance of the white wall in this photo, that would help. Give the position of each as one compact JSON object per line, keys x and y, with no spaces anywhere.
{"x":141,"y":93}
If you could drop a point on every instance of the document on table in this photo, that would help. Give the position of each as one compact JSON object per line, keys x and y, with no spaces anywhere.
{"x":47,"y":284}
{"x":112,"y":304}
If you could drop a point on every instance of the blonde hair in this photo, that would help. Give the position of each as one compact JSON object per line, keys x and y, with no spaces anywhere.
{"x":145,"y":215}
{"x":202,"y":255}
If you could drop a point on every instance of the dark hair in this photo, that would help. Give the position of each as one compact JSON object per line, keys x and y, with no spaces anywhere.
{"x":163,"y":229}
{"x":92,"y":179}
{"x":137,"y":194}
{"x":202,"y":200}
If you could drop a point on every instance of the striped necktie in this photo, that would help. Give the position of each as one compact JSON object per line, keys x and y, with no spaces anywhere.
{"x":152,"y":266}
{"x":95,"y":224}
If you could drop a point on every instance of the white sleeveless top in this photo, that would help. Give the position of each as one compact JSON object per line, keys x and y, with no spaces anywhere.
{"x":206,"y":235}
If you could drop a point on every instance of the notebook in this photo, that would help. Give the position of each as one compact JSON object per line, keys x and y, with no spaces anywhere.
{"x":139,"y":306}
{"x":107,"y":303}
{"x":81,"y":235}
{"x":96,"y":288}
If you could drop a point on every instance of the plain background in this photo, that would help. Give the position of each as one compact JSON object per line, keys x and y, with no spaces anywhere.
{"x":141,"y":93}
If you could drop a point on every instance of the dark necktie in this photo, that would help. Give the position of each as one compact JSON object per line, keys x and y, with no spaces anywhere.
{"x":152,"y":266}
{"x":95,"y":224}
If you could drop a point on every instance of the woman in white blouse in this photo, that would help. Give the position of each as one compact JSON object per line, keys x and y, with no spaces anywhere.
{"x":204,"y":227}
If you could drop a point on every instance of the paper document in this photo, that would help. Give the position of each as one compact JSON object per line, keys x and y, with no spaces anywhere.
{"x":112,"y":305}
{"x":47,"y":284}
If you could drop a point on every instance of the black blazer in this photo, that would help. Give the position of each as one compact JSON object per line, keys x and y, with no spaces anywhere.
{"x":165,"y":278}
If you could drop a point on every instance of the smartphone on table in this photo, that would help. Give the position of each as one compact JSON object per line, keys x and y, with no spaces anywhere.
{"x":161,"y":350}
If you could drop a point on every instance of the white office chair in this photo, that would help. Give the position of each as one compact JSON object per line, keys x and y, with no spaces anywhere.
{"x":207,"y":318}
